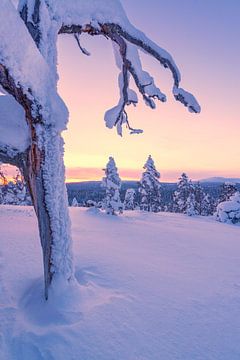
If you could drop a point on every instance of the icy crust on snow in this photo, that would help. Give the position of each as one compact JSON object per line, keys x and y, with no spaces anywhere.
{"x":19,"y":54}
{"x":14,"y":132}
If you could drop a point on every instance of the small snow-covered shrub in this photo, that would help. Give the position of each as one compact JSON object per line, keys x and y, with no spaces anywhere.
{"x":74,"y":202}
{"x":229,"y":211}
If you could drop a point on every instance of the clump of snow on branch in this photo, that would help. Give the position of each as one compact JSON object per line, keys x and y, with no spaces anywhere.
{"x":229,"y":211}
{"x":14,"y":132}
{"x":112,"y":184}
{"x":28,"y":68}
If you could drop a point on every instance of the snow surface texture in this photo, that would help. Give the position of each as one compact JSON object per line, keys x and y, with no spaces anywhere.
{"x":13,"y":127}
{"x":149,"y":286}
{"x":229,"y":211}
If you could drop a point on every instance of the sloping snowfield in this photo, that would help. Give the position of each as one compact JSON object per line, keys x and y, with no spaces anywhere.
{"x":149,"y":287}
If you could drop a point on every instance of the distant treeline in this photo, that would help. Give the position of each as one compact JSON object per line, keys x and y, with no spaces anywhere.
{"x":92,"y":190}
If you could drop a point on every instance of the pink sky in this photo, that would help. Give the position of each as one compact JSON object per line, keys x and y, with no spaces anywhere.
{"x":202,"y":145}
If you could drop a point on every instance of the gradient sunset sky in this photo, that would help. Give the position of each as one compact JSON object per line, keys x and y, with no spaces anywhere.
{"x":203,"y":38}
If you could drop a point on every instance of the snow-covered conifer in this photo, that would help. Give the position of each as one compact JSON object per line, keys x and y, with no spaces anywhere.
{"x":191,"y":206}
{"x":227,"y":190}
{"x":229,"y":211}
{"x":180,"y":196}
{"x":129,"y":201}
{"x":204,"y":203}
{"x":15,"y":192}
{"x":74,"y":202}
{"x":112,"y":184}
{"x":150,"y":188}
{"x":208,"y":205}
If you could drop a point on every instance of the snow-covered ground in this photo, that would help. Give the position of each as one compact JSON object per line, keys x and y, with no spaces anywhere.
{"x":149,"y":287}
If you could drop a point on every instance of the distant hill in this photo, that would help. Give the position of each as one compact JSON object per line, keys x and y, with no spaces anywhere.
{"x":221,"y":180}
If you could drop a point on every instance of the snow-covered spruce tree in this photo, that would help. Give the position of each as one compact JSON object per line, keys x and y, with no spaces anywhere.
{"x":129,"y":200}
{"x":112,"y":184}
{"x":180,"y":196}
{"x":208,"y":206}
{"x":191,"y":204}
{"x":204,"y":203}
{"x":226,"y":191}
{"x":28,"y":73}
{"x":74,"y":202}
{"x":229,"y":211}
{"x":150,"y":188}
{"x":13,"y":192}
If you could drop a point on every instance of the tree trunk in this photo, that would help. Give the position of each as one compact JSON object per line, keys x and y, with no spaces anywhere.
{"x":33,"y":174}
{"x":46,"y":184}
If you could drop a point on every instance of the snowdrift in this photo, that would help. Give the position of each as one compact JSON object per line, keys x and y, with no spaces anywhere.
{"x":148,"y":287}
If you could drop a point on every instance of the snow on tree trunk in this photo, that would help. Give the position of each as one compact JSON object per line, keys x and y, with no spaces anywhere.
{"x":45,"y":177}
{"x":150,"y":188}
{"x":47,"y":185}
{"x":112,"y":184}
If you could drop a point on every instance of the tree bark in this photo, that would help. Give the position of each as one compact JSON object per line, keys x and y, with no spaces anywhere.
{"x":33,"y":175}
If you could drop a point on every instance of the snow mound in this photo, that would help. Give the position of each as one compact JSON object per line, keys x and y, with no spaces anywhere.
{"x":229,"y":211}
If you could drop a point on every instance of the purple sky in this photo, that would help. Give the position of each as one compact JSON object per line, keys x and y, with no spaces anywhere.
{"x":203,"y":37}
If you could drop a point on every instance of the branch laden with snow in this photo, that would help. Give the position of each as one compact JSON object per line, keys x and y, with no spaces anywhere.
{"x":107,"y":18}
{"x":131,"y":65}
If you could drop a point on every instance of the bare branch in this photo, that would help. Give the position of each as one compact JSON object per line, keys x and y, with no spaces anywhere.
{"x":83,"y":50}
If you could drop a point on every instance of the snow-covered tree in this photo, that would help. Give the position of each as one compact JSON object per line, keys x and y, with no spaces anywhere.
{"x":226,"y":191}
{"x":150,"y":188}
{"x":112,"y":184}
{"x":180,"y":196}
{"x":28,"y":73}
{"x":14,"y":192}
{"x":191,"y":204}
{"x":74,"y":202}
{"x":129,"y":200}
{"x":229,"y":211}
{"x":208,"y":205}
{"x":204,"y":203}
